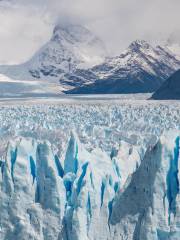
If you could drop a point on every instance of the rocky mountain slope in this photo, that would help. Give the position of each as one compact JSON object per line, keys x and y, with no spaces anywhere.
{"x":75,"y":61}
{"x":141,"y":68}
{"x":170,"y":88}
{"x":173,"y":45}
{"x":71,"y":47}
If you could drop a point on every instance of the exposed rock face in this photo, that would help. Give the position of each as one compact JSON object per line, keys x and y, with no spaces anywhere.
{"x":54,"y":65}
{"x":141,"y":68}
{"x":90,"y":195}
{"x":170,"y":88}
{"x":75,"y":61}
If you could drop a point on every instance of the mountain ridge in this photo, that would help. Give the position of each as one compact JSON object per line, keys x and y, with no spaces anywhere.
{"x":70,"y":47}
{"x":170,"y":89}
{"x":75,"y":61}
{"x":139,"y":69}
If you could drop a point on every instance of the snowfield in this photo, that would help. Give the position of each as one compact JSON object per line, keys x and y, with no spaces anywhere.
{"x":86,"y":168}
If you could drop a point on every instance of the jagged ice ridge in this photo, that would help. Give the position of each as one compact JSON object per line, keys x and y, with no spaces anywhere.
{"x":95,"y":181}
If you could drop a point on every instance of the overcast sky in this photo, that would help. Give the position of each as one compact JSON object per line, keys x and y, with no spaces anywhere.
{"x":27,"y":24}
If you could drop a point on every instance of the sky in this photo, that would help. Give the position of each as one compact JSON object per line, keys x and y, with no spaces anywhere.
{"x":28,"y":24}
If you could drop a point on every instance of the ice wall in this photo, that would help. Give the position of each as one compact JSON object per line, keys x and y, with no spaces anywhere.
{"x":90,"y":195}
{"x":152,"y":197}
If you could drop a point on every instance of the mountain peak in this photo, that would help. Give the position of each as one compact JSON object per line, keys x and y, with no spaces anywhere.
{"x":72,"y":33}
{"x":139,"y":44}
{"x":141,"y":68}
{"x":69,"y":27}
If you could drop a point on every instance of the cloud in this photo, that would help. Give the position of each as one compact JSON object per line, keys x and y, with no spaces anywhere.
{"x":151,"y":20}
{"x":23,"y":31}
{"x":26,"y":25}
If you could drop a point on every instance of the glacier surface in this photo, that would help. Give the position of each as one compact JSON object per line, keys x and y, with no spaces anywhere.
{"x":89,"y":170}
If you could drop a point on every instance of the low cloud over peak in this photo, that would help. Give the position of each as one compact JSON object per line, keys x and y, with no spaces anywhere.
{"x":28,"y":24}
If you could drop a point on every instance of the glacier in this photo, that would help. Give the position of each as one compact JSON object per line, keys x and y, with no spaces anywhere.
{"x":89,"y":171}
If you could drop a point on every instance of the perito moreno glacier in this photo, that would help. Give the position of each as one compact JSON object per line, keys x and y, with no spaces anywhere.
{"x":65,"y":188}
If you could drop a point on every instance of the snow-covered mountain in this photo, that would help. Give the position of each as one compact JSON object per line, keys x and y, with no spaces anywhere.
{"x":173,"y":44}
{"x":174,"y":48}
{"x":71,"y":47}
{"x":75,"y":61}
{"x":141,"y":68}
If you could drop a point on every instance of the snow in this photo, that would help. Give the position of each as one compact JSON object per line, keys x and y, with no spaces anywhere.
{"x":71,"y":47}
{"x":10,"y":87}
{"x":174,"y":47}
{"x":89,"y":169}
{"x":75,"y":57}
{"x":141,"y":55}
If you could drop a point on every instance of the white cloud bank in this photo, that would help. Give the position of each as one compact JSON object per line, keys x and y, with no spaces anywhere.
{"x":27,"y":24}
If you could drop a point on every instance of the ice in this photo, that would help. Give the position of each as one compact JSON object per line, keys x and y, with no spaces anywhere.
{"x":147,"y":196}
{"x":32,"y":189}
{"x":90,"y":171}
{"x":71,"y":160}
{"x":173,"y":180}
